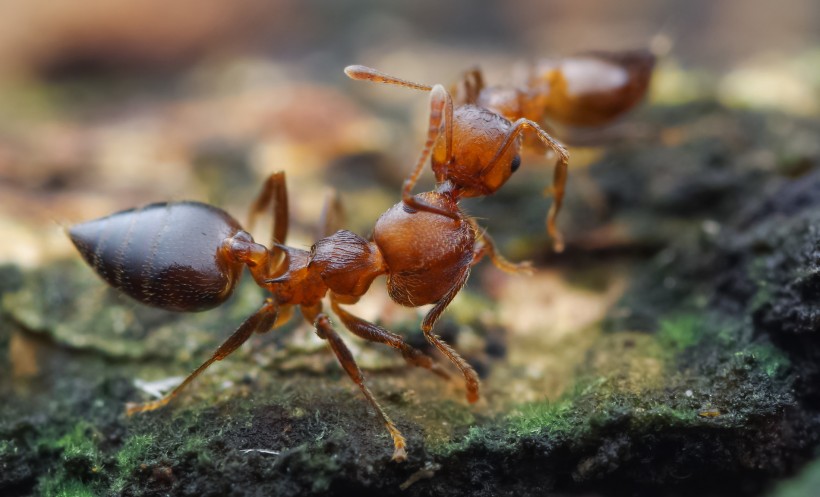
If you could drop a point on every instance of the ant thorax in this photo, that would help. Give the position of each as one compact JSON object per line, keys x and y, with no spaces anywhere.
{"x":504,"y":100}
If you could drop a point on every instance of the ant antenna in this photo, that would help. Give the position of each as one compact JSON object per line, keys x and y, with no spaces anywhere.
{"x":441,"y":111}
{"x":364,"y":73}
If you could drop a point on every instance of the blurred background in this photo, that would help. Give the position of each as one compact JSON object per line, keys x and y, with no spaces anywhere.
{"x":109,"y":104}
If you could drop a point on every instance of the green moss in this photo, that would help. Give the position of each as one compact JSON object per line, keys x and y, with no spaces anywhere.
{"x":554,"y":417}
{"x":196,"y":445}
{"x":133,"y":452}
{"x":608,"y":392}
{"x":79,"y":447}
{"x":441,"y":420}
{"x":59,"y":486}
{"x":81,"y":470}
{"x":130,"y":456}
{"x":769,"y":359}
{"x":680,"y":332}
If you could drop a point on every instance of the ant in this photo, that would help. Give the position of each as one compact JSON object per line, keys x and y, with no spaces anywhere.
{"x":188,"y":256}
{"x":474,"y":139}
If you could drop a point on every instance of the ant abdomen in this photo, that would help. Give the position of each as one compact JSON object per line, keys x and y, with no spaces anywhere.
{"x":425,"y":252}
{"x":590,"y":89}
{"x":166,"y":255}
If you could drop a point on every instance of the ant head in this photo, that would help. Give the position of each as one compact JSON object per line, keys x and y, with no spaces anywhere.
{"x":424,"y":252}
{"x":484,"y":152}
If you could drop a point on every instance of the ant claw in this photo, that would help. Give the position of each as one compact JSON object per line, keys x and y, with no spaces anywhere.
{"x":524,"y":268}
{"x":399,"y":455}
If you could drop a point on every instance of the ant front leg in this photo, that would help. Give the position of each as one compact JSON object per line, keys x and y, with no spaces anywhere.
{"x":559,"y":180}
{"x":470,"y":376}
{"x":325,"y":331}
{"x":260,"y":322}
{"x":371,"y":332}
{"x":441,"y":112}
{"x":486,"y":246}
{"x":274,"y":194}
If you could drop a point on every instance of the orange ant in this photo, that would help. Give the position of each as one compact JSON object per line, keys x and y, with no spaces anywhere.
{"x":475,"y":138}
{"x":188,"y":256}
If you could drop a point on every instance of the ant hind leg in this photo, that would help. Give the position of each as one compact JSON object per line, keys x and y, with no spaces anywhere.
{"x":326,"y":332}
{"x":371,"y":332}
{"x":274,"y":194}
{"x":259,"y":322}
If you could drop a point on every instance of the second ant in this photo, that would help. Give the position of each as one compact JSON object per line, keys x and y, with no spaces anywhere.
{"x":474,"y":138}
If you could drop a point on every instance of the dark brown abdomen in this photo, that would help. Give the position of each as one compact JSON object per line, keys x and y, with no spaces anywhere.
{"x":164,"y":254}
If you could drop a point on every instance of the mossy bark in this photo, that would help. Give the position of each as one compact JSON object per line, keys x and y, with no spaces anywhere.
{"x":701,"y":380}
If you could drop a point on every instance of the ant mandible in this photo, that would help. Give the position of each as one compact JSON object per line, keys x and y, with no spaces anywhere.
{"x":188,"y":256}
{"x":475,"y":138}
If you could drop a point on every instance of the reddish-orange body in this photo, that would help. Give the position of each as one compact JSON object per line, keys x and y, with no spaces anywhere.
{"x":475,"y":133}
{"x":589,"y":89}
{"x":188,"y":256}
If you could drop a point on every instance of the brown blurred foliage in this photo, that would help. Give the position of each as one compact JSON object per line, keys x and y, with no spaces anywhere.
{"x":48,"y":36}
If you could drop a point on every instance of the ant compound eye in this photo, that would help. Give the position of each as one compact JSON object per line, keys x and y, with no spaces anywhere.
{"x":516,"y":163}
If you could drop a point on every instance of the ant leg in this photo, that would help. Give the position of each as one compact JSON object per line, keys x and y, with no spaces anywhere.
{"x":274,"y":193}
{"x":470,"y":376}
{"x":441,"y":110}
{"x":260,"y":322}
{"x":283,"y":315}
{"x":333,"y":215}
{"x":374,"y":333}
{"x":326,"y":332}
{"x":486,"y":246}
{"x":559,"y":179}
{"x":473,"y":84}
